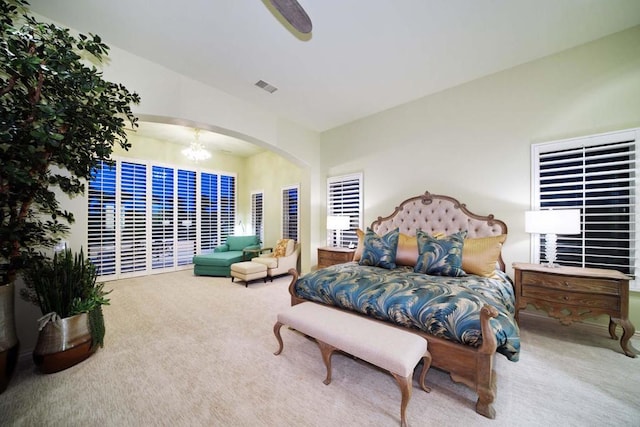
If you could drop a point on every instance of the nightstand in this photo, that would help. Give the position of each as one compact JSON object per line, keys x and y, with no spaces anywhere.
{"x":329,"y":256}
{"x":572,"y":294}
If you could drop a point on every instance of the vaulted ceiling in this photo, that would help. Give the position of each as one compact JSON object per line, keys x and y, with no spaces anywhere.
{"x":362,"y":56}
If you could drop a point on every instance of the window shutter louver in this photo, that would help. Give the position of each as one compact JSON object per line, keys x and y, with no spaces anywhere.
{"x":186,"y":237}
{"x":101,"y":221}
{"x":162,"y":217}
{"x":209,"y":212}
{"x":344,"y":198}
{"x":133,"y":217}
{"x":257,"y":212}
{"x":227,"y":206}
{"x":290,"y":213}
{"x":597,"y":175}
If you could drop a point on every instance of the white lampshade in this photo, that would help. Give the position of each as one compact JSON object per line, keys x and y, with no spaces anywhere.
{"x":562,"y":221}
{"x":335,"y":222}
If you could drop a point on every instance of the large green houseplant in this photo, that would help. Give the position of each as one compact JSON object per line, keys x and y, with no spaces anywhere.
{"x":70,"y":299}
{"x":58,"y":119}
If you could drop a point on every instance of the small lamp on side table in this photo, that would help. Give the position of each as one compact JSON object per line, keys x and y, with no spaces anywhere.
{"x":551,"y":223}
{"x":337,"y":223}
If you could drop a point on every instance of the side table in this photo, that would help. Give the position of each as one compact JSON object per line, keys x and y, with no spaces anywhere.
{"x":572,"y":294}
{"x":252,"y":253}
{"x":334,"y":255}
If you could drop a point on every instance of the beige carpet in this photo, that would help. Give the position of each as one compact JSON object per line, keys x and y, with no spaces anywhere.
{"x":198,"y":351}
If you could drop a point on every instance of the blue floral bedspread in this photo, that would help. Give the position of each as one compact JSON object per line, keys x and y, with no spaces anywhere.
{"x":446,"y":307}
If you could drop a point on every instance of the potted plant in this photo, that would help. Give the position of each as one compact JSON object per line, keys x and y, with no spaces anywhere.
{"x":71,"y":300}
{"x":60,"y":119}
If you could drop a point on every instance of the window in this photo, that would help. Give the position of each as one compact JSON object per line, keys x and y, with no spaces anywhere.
{"x":290,"y":213}
{"x":596,"y":174}
{"x":162,"y":220}
{"x":187,"y":217}
{"x":344,"y":198}
{"x":101,"y":220}
{"x":227,"y":220}
{"x":209,"y":212}
{"x":151,"y":218}
{"x":133,"y":217}
{"x":257,"y":214}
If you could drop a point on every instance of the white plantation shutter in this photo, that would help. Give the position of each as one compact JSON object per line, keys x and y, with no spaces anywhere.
{"x":144,"y":219}
{"x":290,"y":213}
{"x":162,"y":217}
{"x":344,"y":198}
{"x":186,"y":238}
{"x":597,"y":175}
{"x":101,"y":220}
{"x":257,"y":214}
{"x":217,"y":209}
{"x":133,"y":217}
{"x":209,"y":235}
{"x":227,"y":218}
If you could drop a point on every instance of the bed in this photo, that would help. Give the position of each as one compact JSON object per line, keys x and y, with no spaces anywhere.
{"x":445,"y":281}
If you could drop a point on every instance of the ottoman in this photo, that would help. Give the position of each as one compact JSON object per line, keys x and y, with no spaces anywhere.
{"x":248,"y":271}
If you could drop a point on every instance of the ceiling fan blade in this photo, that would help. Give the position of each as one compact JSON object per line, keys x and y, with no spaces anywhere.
{"x":294,"y":14}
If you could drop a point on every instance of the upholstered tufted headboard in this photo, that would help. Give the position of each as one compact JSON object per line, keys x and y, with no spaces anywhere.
{"x":439,"y":214}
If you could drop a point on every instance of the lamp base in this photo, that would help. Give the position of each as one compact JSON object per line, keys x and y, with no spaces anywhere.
{"x":550,"y":240}
{"x":551,"y":265}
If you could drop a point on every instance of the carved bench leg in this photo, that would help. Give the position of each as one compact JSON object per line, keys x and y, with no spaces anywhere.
{"x":405,"y":388}
{"x":426,"y":364}
{"x":276,"y":331}
{"x":326,"y":350}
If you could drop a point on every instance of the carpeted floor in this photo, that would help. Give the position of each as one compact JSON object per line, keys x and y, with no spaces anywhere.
{"x":198,"y":351}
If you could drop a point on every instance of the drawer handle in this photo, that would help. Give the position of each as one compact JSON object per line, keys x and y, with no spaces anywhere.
{"x":566,"y":284}
{"x":566,"y":298}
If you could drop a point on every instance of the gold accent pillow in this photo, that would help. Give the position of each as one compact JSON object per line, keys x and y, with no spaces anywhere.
{"x":480,"y":255}
{"x":281,"y":248}
{"x":407,"y":253}
{"x":358,"y":254}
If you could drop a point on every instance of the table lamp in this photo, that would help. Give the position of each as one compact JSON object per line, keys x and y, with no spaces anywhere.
{"x":338,"y":223}
{"x":551,"y":223}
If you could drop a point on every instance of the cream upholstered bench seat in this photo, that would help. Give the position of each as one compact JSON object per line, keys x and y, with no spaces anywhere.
{"x":248,"y":271}
{"x":380,"y":344}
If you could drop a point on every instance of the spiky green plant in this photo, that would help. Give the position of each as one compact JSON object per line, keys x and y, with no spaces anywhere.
{"x":66,"y":285}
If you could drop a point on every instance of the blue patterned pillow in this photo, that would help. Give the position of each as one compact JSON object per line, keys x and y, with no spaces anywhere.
{"x":380,"y":251}
{"x":440,"y":257}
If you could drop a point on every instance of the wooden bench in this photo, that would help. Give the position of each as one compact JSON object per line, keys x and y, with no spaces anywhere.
{"x":390,"y":348}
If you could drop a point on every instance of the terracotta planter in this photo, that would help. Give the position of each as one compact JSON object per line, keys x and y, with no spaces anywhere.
{"x":63,"y":343}
{"x":9,"y":344}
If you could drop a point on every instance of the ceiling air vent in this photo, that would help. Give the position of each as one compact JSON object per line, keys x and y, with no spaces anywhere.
{"x":266,"y":86}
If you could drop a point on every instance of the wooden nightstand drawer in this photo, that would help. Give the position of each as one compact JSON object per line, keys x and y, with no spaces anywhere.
{"x":570,"y":283}
{"x":336,"y":256}
{"x":584,"y":300}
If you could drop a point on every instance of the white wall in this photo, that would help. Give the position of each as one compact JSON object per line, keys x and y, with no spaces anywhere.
{"x":473,"y":141}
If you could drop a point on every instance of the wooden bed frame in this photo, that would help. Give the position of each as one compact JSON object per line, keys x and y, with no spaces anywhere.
{"x":472,"y":366}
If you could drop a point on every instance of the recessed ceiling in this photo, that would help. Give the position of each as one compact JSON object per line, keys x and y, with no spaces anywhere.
{"x":362,"y":57}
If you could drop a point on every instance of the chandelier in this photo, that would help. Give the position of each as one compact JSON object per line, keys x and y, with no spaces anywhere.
{"x":196,"y":151}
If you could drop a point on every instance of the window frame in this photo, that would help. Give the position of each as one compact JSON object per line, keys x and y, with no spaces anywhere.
{"x":594,"y":148}
{"x":338,"y":190}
